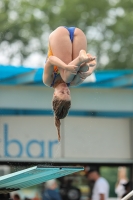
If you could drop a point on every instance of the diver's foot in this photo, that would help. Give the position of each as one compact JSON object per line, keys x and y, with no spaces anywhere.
{"x":83,"y":57}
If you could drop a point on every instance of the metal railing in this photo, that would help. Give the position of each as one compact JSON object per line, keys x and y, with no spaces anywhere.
{"x":130,"y":194}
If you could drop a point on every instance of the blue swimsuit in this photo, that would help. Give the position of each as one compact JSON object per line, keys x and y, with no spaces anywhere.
{"x":71,"y":34}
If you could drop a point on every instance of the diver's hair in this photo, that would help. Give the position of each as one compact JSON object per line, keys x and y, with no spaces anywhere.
{"x":60,"y":108}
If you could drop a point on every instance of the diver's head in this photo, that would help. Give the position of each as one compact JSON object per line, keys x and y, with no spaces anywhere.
{"x":62,"y":91}
{"x":61,"y":104}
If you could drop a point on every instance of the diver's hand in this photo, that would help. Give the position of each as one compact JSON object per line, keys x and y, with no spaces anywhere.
{"x":72,"y":68}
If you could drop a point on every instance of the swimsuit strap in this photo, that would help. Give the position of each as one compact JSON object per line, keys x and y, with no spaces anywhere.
{"x":55,"y":75}
{"x":68,"y":84}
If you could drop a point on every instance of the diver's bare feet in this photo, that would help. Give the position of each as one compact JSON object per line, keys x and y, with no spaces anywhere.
{"x":91,"y":57}
{"x":83,"y":57}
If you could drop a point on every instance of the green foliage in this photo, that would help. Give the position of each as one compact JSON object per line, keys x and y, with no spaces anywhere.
{"x":106,"y":23}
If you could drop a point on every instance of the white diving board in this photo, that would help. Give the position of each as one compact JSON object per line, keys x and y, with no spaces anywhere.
{"x":33,"y":176}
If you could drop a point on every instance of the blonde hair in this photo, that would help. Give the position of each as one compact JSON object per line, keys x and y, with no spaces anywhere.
{"x":60,"y":108}
{"x":122,"y":173}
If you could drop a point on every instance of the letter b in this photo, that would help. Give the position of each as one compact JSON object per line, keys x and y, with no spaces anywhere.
{"x":7,"y":143}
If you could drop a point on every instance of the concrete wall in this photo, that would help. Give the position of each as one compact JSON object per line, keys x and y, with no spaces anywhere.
{"x":83,"y":139}
{"x":33,"y":97}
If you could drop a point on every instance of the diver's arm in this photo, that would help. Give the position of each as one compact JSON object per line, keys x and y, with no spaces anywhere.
{"x":49,"y":68}
{"x":48,"y":73}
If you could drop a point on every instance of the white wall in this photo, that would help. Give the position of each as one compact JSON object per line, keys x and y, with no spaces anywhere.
{"x":97,"y":138}
{"x":83,"y":139}
{"x":33,"y":97}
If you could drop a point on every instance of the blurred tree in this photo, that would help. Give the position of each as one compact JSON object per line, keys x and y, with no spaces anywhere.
{"x":26,"y":24}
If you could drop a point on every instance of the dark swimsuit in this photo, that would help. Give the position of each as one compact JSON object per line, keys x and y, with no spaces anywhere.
{"x":71,"y":34}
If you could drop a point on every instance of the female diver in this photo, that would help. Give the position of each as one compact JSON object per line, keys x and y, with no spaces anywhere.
{"x":67,"y":64}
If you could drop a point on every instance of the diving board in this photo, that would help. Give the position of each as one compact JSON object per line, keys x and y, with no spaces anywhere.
{"x":33,"y":176}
